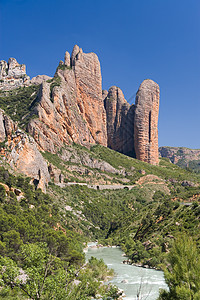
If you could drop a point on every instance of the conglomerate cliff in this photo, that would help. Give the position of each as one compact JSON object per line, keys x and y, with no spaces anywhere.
{"x":71,"y":107}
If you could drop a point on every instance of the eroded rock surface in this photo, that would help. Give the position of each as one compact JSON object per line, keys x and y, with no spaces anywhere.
{"x":21,"y":152}
{"x":88,"y":79}
{"x":183,"y":157}
{"x":71,"y":108}
{"x":12,"y":74}
{"x":39,"y":79}
{"x":146,"y":122}
{"x":120,"y":122}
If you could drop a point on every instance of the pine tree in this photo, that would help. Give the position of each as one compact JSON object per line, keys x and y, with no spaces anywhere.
{"x":183,"y":273}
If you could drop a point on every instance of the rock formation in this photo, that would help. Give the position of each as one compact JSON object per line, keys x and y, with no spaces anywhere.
{"x":146,"y":122}
{"x":21,"y":152}
{"x":120,"y":122}
{"x":71,"y":107}
{"x":183,"y":157}
{"x":88,"y":79}
{"x":39,"y":79}
{"x":12,"y":74}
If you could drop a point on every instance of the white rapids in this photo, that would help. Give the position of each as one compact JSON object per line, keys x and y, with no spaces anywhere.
{"x":129,"y":278}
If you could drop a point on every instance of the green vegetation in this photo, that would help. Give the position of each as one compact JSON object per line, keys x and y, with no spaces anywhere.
{"x":194,"y":165}
{"x":64,"y":67}
{"x":183,"y":272}
{"x":144,"y":221}
{"x":19,"y":103}
{"x":165,"y":170}
{"x":40,"y":255}
{"x":55,"y":81}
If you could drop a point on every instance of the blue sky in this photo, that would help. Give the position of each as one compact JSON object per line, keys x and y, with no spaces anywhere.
{"x":134,"y":40}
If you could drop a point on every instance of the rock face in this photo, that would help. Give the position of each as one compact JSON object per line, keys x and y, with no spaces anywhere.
{"x":146,"y":122}
{"x":12,"y":74}
{"x":88,"y":79}
{"x":21,"y":152}
{"x":39,"y":79}
{"x":71,"y":108}
{"x":183,"y":157}
{"x":120,"y":122}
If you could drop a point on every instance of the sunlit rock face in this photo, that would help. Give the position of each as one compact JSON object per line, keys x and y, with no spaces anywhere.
{"x":12,"y":74}
{"x":73,"y":110}
{"x":21,"y":152}
{"x":71,"y":107}
{"x":146,"y":122}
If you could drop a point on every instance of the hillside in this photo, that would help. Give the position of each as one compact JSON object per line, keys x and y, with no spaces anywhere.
{"x":150,"y":206}
{"x":79,"y":164}
{"x":182,"y":156}
{"x":147,"y":210}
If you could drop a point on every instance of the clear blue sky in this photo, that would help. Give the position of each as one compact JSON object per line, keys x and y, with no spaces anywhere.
{"x":134,"y":39}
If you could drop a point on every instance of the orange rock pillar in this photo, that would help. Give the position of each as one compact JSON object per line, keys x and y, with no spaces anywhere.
{"x":146,"y":122}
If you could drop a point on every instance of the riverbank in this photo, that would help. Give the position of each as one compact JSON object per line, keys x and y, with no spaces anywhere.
{"x":129,"y":278}
{"x":94,"y":245}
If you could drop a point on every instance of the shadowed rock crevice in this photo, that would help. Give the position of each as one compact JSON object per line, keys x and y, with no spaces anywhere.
{"x":120,"y":116}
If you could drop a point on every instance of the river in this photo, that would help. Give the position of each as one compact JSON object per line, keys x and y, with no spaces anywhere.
{"x":134,"y":277}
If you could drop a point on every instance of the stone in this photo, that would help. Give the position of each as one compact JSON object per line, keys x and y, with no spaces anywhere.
{"x":2,"y":128}
{"x":39,"y":79}
{"x":146,"y":122}
{"x":88,"y":79}
{"x":3,"y":69}
{"x":67,"y":59}
{"x":120,"y":121}
{"x":84,"y":159}
{"x":124,"y":281}
{"x":104,"y":94}
{"x":7,"y":189}
{"x":182,"y":156}
{"x":75,"y":51}
{"x":143,"y":172}
{"x":22,"y":154}
{"x":55,"y":174}
{"x":12,"y":74}
{"x":188,"y":183}
{"x":73,"y":110}
{"x":17,"y":192}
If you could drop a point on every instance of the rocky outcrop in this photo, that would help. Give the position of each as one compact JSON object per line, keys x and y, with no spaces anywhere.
{"x":21,"y":152}
{"x":71,"y":108}
{"x":12,"y":74}
{"x":146,"y":122}
{"x":88,"y":79}
{"x":183,"y":157}
{"x":69,"y":154}
{"x":120,"y":122}
{"x":39,"y":79}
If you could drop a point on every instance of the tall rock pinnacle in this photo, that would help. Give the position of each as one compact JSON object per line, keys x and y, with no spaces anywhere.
{"x":71,"y":107}
{"x":88,"y":79}
{"x":146,"y":122}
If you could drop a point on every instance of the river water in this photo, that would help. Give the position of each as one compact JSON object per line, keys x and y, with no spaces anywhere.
{"x":134,"y":277}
